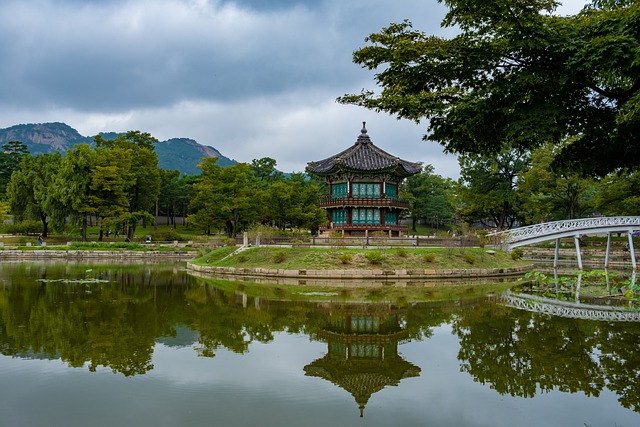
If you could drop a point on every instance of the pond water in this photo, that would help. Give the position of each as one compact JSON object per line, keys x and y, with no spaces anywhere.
{"x":151,"y":345}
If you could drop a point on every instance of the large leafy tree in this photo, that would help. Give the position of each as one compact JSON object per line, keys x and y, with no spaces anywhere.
{"x":517,"y":75}
{"x":31,"y":190}
{"x":431,"y":197}
{"x":488,"y":188}
{"x":144,"y":176}
{"x":547,"y":194}
{"x":224,"y":198}
{"x":110,"y":179}
{"x":10,"y":158}
{"x":73,"y":186}
{"x":619,"y":195}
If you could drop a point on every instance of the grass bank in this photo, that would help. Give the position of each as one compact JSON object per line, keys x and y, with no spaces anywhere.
{"x":354,"y":259}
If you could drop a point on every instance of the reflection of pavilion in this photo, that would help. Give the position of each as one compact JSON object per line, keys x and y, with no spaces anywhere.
{"x":362,"y":355}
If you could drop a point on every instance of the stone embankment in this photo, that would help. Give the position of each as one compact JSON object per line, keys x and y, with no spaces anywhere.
{"x":374,"y":275}
{"x":15,"y":254}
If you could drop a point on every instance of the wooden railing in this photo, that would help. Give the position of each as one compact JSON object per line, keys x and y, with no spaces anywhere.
{"x":330,"y":202}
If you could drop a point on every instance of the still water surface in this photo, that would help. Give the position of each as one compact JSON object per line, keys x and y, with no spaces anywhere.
{"x":153,"y":346}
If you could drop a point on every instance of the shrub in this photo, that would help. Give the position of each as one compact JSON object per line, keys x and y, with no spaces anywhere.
{"x":429,"y":257}
{"x":230,"y":241}
{"x":469,"y":259}
{"x":374,"y":257}
{"x":25,"y":227}
{"x":402,"y":252}
{"x":166,"y":236}
{"x":345,"y":258}
{"x":279,"y":257}
{"x":517,"y":254}
{"x":241,"y":258}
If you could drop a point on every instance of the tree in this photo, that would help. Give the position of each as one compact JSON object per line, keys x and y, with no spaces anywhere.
{"x":547,"y":194}
{"x":516,"y":75}
{"x":224,"y":198}
{"x":110,"y":179}
{"x":431,"y":197}
{"x":488,"y":188}
{"x":144,"y":185}
{"x":618,"y":194}
{"x":31,"y":190}
{"x":10,"y":158}
{"x":294,"y":203}
{"x":73,"y":186}
{"x":169,"y":194}
{"x":265,"y":170}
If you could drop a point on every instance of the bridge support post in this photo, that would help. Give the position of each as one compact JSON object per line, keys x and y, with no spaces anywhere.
{"x":606,"y":257}
{"x":557,"y":252}
{"x":576,"y":240}
{"x":632,"y":251}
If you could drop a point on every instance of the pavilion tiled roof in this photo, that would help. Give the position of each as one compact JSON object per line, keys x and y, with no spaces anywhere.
{"x":363,"y":156}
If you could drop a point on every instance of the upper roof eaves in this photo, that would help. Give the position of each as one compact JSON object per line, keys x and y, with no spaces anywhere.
{"x":363,"y":156}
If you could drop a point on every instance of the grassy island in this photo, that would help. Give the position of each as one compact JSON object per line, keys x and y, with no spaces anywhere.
{"x":321,"y":258}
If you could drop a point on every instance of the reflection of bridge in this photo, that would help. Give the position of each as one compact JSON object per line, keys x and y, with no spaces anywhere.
{"x":575,"y":228}
{"x":569,"y":309}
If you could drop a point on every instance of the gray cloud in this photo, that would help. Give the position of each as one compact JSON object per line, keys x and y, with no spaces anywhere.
{"x":251,"y":78}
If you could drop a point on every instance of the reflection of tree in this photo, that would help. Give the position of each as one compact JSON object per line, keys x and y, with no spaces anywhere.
{"x":100,"y":318}
{"x":116,"y":323}
{"x":522,"y":353}
{"x":620,"y":359}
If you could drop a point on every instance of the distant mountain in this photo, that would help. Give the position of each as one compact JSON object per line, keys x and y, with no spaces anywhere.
{"x":182,"y":154}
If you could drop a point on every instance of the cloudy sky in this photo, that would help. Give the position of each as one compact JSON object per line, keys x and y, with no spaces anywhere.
{"x":252,"y":78}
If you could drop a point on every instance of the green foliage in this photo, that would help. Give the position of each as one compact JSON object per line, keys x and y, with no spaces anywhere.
{"x":10,"y":159}
{"x":167,"y":236}
{"x":279,"y":257}
{"x":429,"y":257}
{"x":516,"y":75}
{"x":374,"y":257}
{"x":345,"y":258}
{"x":469,"y":259}
{"x":488,"y":187}
{"x":517,"y":254}
{"x":431,"y":198}
{"x":402,"y":252}
{"x":27,"y":226}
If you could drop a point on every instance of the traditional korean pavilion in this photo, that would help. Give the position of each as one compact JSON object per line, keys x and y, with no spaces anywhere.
{"x":363,"y":185}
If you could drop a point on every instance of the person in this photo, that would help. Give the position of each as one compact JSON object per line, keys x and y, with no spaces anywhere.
{"x":39,"y":239}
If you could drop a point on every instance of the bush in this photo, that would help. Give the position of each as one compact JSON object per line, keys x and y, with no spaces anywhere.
{"x":279,"y":257}
{"x":374,"y":257}
{"x":230,"y":242}
{"x":345,"y":258}
{"x":469,"y":259}
{"x":25,"y":227}
{"x":429,"y":257}
{"x":517,"y":254}
{"x":241,"y":258}
{"x":166,"y":236}
{"x":402,"y":252}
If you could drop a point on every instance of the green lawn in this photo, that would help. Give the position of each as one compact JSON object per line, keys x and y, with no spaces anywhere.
{"x":351,"y":259}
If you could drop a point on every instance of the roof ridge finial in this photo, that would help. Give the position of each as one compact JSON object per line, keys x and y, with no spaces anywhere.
{"x":364,"y":127}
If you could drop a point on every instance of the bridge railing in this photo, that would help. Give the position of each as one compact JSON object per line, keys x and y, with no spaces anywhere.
{"x":588,"y":225}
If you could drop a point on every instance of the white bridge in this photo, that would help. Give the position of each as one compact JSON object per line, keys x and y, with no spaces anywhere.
{"x":510,"y":239}
{"x":568,"y":309}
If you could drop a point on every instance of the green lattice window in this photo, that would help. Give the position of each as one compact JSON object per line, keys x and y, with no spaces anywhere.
{"x":365,"y":216}
{"x":339,"y":216}
{"x":390,"y":217}
{"x":391,"y":191}
{"x":339,"y":191}
{"x":365,"y":190}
